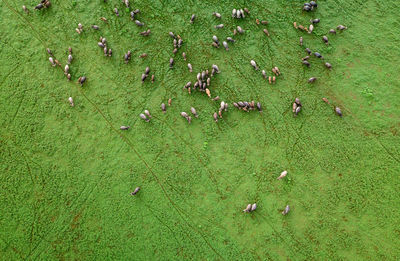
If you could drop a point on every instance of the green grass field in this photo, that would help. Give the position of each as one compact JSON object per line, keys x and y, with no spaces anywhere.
{"x":66,"y":173}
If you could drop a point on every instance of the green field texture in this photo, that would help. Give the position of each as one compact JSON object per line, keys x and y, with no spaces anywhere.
{"x":66,"y":173}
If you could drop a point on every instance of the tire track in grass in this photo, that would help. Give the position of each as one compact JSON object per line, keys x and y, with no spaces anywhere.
{"x":127,"y":141}
{"x":34,"y":184}
{"x":298,"y":137}
{"x":204,"y":238}
{"x":39,"y":37}
{"x":211,"y":174}
{"x":253,"y":82}
{"x":9,"y":73}
{"x":30,"y":253}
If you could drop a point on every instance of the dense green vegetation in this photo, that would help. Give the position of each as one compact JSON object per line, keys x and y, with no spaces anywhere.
{"x":66,"y":172}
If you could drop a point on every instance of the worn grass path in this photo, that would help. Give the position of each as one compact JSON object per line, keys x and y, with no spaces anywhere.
{"x":66,"y":173}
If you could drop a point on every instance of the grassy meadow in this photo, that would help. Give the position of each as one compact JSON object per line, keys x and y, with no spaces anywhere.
{"x":66,"y":173}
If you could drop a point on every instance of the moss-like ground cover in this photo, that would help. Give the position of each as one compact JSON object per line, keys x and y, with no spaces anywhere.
{"x":66,"y":172}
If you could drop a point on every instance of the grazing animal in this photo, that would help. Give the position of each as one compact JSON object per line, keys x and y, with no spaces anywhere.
{"x":132,"y":14}
{"x":143,"y":117}
{"x":184,"y":114}
{"x":325,"y":39}
{"x":312,"y":79}
{"x":225,"y":44}
{"x":138,"y":23}
{"x":253,"y":63}
{"x":298,"y":109}
{"x":124,"y":127}
{"x":52,"y":61}
{"x":306,"y":63}
{"x":315,"y":21}
{"x":338,"y":111}
{"x":25,"y":9}
{"x":283,"y":174}
{"x":318,"y":55}
{"x":264,"y":74}
{"x":328,"y":65}
{"x":310,"y":28}
{"x":171,"y":62}
{"x":217,"y":15}
{"x":215,"y":39}
{"x":82,"y":79}
{"x":135,"y":191}
{"x":39,"y":6}
{"x":286,"y":210}
{"x":253,"y":207}
{"x":247,"y":209}
{"x":146,"y":33}
{"x":259,"y":107}
{"x":126,"y":2}
{"x":341,"y":27}
{"x":240,"y":30}
{"x":297,"y":101}
{"x":301,"y":41}
{"x":193,"y":110}
{"x":208,"y":92}
{"x":192,"y":18}
{"x":71,"y":102}
{"x":215,"y":68}
{"x":163,"y":108}
{"x":144,"y":76}
{"x":70,"y":58}
{"x":332,"y":31}
{"x":215,"y":116}
{"x":222,"y":106}
{"x":188,"y":84}
{"x":169,"y":102}
{"x":147,"y":113}
{"x":219,"y":26}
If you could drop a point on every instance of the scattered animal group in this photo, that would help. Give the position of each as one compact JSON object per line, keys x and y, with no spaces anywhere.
{"x":103,"y":44}
{"x":253,"y":207}
{"x":203,"y":81}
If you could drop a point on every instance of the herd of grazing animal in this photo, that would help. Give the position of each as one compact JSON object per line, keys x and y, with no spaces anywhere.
{"x":203,"y":81}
